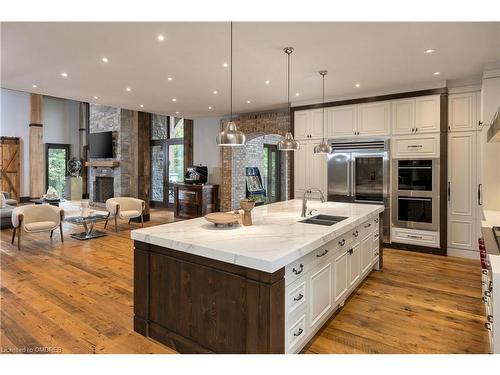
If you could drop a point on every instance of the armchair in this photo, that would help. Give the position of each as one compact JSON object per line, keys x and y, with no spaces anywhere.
{"x":125,"y":208}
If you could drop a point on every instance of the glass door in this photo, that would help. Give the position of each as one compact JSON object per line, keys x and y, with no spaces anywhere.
{"x":368,"y":178}
{"x":56,"y":166}
{"x":167,"y":158}
{"x":272,"y":173}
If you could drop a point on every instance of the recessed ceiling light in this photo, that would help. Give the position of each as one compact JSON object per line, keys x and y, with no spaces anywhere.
{"x":215,"y":92}
{"x":358,"y":85}
{"x":267,"y":82}
{"x":430,"y":50}
{"x":174,"y":99}
{"x":225,"y":65}
{"x":160,"y":37}
{"x":177,"y":112}
{"x":96,"y":97}
{"x":128,"y":89}
{"x":169,"y":78}
{"x":436,"y":73}
{"x":142,"y":106}
{"x":297,"y":94}
{"x":104,"y":59}
{"x":34,"y":86}
{"x":64,"y":74}
{"x":248,"y":101}
{"x":209,"y":107}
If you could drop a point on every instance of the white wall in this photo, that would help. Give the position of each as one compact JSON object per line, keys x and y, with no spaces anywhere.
{"x":205,"y":149}
{"x":60,"y":118}
{"x":15,"y":107}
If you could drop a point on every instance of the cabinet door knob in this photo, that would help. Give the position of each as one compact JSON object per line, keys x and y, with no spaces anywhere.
{"x":299,"y":297}
{"x":487,"y":293}
{"x":355,"y":234}
{"x":376,"y":220}
{"x":487,"y":326}
{"x":480,"y":123}
{"x":485,"y":300}
{"x":342,"y":242}
{"x":490,"y":318}
{"x":299,"y":271}
{"x":299,"y":332}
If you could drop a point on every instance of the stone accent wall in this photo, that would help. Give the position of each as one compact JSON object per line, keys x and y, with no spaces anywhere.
{"x":259,"y":128}
{"x":124,"y":124}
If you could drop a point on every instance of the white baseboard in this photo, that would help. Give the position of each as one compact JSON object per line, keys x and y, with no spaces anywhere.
{"x":470,"y":254}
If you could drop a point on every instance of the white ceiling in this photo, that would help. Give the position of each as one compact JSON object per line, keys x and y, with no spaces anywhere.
{"x":377,"y":55}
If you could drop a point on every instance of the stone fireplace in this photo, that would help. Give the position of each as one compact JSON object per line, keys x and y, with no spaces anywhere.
{"x":260,"y":129}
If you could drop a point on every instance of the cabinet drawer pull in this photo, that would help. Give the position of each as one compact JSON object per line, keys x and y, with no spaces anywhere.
{"x":298,"y":333}
{"x":299,"y":271}
{"x":299,"y":297}
{"x":489,"y":318}
{"x":189,"y":192}
{"x":484,"y":272}
{"x":342,"y":242}
{"x":413,"y":236}
{"x":415,"y":146}
{"x":368,"y":225}
{"x":355,"y":234}
{"x":487,"y":326}
{"x":322,"y":254}
{"x":487,"y":293}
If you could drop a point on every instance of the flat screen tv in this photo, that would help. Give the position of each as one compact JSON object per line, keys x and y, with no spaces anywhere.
{"x":101,"y":145}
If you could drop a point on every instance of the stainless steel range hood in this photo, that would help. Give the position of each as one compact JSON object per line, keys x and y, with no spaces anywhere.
{"x":493,"y":134}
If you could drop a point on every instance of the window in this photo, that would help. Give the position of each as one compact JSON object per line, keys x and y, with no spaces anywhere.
{"x":56,"y":167}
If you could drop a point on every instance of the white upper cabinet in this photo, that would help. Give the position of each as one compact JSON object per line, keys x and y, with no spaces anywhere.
{"x":341,"y":121}
{"x":310,"y":169}
{"x":462,"y":112}
{"x":316,"y":123}
{"x":403,"y":116}
{"x":308,"y":124}
{"x":301,"y":130}
{"x":374,"y":118}
{"x":427,"y":114}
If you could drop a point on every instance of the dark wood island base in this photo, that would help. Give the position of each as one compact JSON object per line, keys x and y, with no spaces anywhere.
{"x":195,"y":304}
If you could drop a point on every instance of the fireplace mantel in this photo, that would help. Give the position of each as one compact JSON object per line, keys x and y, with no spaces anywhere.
{"x":102,"y":163}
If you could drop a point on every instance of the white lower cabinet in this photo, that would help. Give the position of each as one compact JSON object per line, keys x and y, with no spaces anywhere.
{"x":320,"y":282}
{"x":320,"y":291}
{"x":366,"y":250}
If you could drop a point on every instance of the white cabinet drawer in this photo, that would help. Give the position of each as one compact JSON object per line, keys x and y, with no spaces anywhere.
{"x":296,"y":332}
{"x":416,"y":146}
{"x":296,"y":296}
{"x":415,"y":237}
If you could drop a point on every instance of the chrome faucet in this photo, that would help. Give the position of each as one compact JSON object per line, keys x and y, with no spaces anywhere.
{"x":304,"y":199}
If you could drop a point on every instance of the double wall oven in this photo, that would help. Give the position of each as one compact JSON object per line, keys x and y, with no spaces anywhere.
{"x":358,"y":172}
{"x":416,"y":194}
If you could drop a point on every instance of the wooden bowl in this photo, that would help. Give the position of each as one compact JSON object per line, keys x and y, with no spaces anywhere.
{"x":222,"y":218}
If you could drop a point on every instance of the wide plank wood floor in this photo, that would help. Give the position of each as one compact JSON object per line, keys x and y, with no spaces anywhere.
{"x":77,"y":297}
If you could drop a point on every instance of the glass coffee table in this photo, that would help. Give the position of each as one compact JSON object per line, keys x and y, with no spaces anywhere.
{"x":88,"y":223}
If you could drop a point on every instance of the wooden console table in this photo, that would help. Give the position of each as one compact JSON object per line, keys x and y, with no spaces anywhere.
{"x":192,"y":200}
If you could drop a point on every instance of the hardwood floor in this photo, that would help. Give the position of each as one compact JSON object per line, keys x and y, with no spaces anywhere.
{"x":76,"y":297}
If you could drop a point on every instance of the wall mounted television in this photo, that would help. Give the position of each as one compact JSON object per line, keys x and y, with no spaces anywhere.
{"x":101,"y":145}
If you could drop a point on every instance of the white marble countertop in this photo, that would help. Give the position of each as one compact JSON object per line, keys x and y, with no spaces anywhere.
{"x":275,"y":239}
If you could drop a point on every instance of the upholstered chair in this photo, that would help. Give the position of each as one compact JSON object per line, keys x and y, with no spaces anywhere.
{"x":125,"y":208}
{"x":35,"y":219}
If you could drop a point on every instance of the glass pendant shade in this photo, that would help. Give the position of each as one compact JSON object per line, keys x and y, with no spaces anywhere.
{"x":231,"y":136}
{"x":288,"y":144}
{"x":323,"y":148}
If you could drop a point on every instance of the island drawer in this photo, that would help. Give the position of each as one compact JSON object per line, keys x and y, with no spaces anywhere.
{"x":296,"y":296}
{"x":296,"y":332}
{"x":295,"y":270}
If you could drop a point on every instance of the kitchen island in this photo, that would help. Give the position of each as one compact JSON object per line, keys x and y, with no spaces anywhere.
{"x":266,"y":288}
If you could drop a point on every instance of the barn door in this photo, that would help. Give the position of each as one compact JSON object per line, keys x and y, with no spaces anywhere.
{"x":10,"y":166}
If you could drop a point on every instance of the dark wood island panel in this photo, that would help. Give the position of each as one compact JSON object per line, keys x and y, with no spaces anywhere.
{"x":195,"y":304}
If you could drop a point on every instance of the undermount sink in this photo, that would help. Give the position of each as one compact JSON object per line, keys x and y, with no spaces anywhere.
{"x":323,"y":220}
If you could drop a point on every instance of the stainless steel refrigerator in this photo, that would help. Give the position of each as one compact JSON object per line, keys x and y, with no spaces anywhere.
{"x":358,"y":172}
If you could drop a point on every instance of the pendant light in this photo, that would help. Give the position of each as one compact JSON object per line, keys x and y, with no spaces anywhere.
{"x":288,"y":144}
{"x":231,"y":136}
{"x":323,"y":147}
